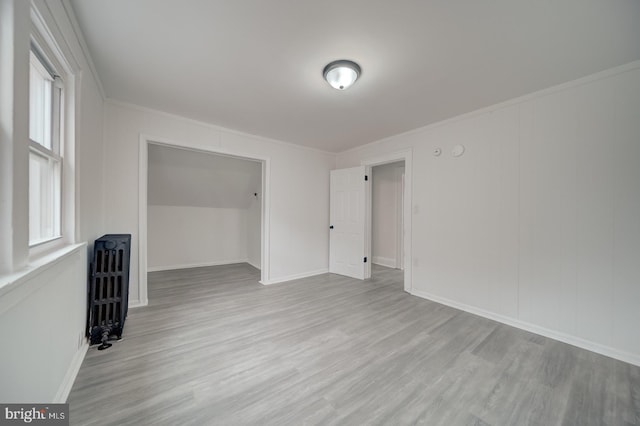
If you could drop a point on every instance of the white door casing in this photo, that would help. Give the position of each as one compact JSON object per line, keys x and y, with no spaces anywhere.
{"x":347,"y":249}
{"x":400,"y":220}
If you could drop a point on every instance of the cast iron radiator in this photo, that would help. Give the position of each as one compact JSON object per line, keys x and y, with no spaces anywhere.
{"x":108,"y":289}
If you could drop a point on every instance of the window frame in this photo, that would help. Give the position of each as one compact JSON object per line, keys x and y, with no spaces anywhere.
{"x":52,"y":57}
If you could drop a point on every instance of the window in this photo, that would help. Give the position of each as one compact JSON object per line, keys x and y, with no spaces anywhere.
{"x":45,"y":150}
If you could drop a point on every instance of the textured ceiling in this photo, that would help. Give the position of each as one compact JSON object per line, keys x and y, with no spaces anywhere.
{"x":256,"y":66}
{"x":180,"y":177}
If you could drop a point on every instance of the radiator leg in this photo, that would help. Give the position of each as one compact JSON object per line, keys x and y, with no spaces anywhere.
{"x":105,"y":339}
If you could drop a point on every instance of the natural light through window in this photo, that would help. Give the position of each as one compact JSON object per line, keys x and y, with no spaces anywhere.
{"x":45,"y":153}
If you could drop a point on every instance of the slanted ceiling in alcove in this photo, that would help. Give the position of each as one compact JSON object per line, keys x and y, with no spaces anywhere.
{"x":180,"y":177}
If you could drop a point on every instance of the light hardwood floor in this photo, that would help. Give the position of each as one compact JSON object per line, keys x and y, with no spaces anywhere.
{"x":216,"y":347}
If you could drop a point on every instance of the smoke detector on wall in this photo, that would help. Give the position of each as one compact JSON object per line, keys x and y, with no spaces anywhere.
{"x":457,"y":150}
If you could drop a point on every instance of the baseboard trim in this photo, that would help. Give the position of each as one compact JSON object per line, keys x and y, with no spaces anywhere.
{"x":384,"y":261}
{"x":138,"y":303}
{"x":254,"y":265}
{"x":542,"y":331}
{"x":195,"y":265}
{"x":70,"y":377}
{"x":295,"y":277}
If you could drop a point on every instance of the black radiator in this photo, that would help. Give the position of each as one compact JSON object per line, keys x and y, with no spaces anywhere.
{"x":108,"y":288}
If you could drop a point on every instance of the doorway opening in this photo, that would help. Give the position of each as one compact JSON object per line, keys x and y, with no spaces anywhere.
{"x":200,"y":207}
{"x":387,"y":220}
{"x":402,"y":226}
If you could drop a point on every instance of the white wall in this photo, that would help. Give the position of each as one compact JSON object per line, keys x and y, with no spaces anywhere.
{"x":386,"y":198}
{"x":43,"y":299}
{"x":184,"y":236}
{"x":184,"y":177}
{"x":538,"y":223}
{"x":14,"y":133}
{"x":42,"y":325}
{"x":199,"y":208}
{"x":299,"y":241}
{"x":90,"y":217}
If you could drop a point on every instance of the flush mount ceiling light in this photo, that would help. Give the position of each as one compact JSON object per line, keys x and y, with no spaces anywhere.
{"x":341,"y":74}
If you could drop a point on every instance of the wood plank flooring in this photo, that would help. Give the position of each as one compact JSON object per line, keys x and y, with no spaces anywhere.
{"x":214,"y":347}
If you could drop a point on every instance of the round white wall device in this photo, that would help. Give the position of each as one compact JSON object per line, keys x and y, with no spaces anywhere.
{"x":457,"y":150}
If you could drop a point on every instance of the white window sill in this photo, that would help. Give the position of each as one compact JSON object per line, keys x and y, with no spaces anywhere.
{"x":44,"y":249}
{"x":37,"y":244}
{"x":11,"y":288}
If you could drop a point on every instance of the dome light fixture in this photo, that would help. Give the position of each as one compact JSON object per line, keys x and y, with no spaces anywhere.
{"x":341,"y":74}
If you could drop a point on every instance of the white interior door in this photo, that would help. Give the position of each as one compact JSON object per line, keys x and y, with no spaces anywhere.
{"x":347,"y":249}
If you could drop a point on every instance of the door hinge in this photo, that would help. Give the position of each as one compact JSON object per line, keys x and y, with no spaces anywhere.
{"x":366,"y":178}
{"x":365,"y":260}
